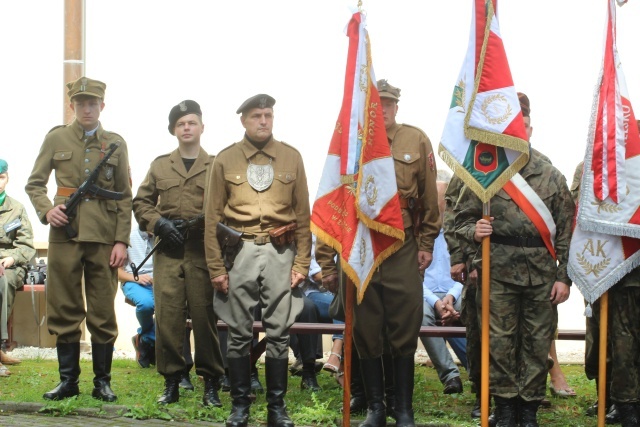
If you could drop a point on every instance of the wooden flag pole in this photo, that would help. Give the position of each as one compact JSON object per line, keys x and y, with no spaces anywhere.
{"x":484,"y":346}
{"x":602,"y":359}
{"x":346,"y":357}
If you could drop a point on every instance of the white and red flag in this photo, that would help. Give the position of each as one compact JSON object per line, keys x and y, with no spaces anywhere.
{"x":484,"y":140}
{"x":604,"y":246}
{"x":357,"y":209}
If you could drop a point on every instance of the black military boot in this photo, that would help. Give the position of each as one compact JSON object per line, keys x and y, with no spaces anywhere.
{"x":529,"y":413}
{"x":404,"y":368}
{"x":628,"y":414}
{"x":240,"y":382}
{"x":69,"y":369}
{"x":276,"y":374}
{"x":256,"y":387}
{"x":309,"y":380}
{"x":211,"y":386}
{"x":389,"y":384}
{"x":171,"y":393}
{"x":102,"y":355}
{"x":358,"y":403}
{"x":506,"y":411}
{"x":372,"y":376}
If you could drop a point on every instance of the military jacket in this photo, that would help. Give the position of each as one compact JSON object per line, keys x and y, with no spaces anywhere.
{"x":170,"y":191}
{"x":17,"y":243}
{"x":232,"y":200}
{"x":523,"y":265}
{"x":73,"y":156}
{"x":415,"y":169}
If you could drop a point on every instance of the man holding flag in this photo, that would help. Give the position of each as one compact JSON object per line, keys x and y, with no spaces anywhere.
{"x":378,"y":186}
{"x":486,"y":144}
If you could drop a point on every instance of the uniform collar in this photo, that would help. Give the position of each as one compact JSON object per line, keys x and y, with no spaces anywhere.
{"x":78,"y":130}
{"x":391,"y":132}
{"x":177,"y":164}
{"x":250,"y":150}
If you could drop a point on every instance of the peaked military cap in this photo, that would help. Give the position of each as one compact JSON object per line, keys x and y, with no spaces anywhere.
{"x":387,"y":91}
{"x":182,"y":109}
{"x":86,"y":86}
{"x":4,"y":166}
{"x":257,"y":101}
{"x":524,"y":104}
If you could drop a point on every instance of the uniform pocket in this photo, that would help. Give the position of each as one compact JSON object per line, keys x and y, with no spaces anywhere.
{"x":63,"y":165}
{"x":169,"y":192}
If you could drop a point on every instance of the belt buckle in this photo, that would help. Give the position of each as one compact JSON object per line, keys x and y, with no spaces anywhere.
{"x":261,"y":240}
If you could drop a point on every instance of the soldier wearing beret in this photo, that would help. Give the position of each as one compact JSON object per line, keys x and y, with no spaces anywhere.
{"x":396,"y":288}
{"x":527,"y":280}
{"x":170,"y":203}
{"x":102,"y":224}
{"x":258,"y":186}
{"x":16,"y":250}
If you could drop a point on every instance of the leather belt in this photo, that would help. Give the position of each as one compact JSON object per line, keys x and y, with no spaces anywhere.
{"x":520,"y":241}
{"x":258,"y":240}
{"x":68,"y":191}
{"x":407,"y":203}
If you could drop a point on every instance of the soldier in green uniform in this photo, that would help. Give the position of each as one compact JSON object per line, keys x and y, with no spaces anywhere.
{"x":622,"y":373}
{"x":526,"y":282}
{"x":394,"y":299}
{"x":170,"y":197}
{"x":258,"y":186}
{"x":16,"y":250}
{"x":102,"y":223}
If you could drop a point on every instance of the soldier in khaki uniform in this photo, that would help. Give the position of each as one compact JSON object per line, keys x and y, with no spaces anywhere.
{"x":393,"y":301}
{"x":257,"y":186}
{"x":102,"y":223}
{"x":16,"y":250}
{"x":170,"y":196}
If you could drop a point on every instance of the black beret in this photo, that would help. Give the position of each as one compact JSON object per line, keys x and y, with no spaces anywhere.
{"x":185,"y":107}
{"x":257,"y":101}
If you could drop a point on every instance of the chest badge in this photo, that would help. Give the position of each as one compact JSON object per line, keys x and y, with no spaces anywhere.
{"x":108,"y":172}
{"x":260,"y":177}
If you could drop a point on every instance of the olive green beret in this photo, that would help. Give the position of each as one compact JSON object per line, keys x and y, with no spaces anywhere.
{"x":387,"y":91}
{"x":525,"y":106}
{"x":257,"y":101}
{"x":184,"y":108}
{"x":4,"y":166}
{"x":86,"y":86}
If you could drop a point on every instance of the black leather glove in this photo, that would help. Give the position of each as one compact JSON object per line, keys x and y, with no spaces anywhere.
{"x":167,"y":231}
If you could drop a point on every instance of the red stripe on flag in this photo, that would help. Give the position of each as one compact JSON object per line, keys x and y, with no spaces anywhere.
{"x":496,"y":66}
{"x":532,"y":213}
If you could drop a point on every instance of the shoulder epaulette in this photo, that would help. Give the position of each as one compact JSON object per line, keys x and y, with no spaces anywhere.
{"x":161,"y":156}
{"x":415,"y":127}
{"x":226,"y":148}
{"x":55,"y":127}
{"x":290,"y":146}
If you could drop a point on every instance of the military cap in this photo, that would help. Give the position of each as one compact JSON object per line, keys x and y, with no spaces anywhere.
{"x":387,"y":91}
{"x":185,"y":107}
{"x":4,"y":166}
{"x":524,"y":104}
{"x":86,"y":86}
{"x":257,"y":101}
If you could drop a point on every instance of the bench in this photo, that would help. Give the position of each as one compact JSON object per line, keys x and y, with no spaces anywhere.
{"x":334,"y":328}
{"x":11,"y":343}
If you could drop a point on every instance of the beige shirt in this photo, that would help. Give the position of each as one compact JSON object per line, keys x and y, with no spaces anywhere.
{"x":415,"y":168}
{"x":73,"y":156}
{"x":232,"y":200}
{"x":170,"y":191}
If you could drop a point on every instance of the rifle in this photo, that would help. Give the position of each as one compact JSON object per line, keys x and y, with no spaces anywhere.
{"x":182,"y":226}
{"x":89,"y":187}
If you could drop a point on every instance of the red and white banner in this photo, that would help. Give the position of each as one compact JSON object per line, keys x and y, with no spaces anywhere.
{"x":484,"y":140}
{"x":357,"y":209}
{"x":604,"y":246}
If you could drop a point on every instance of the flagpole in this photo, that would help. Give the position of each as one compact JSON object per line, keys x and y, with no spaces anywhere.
{"x":484,"y":346}
{"x":347,"y":340}
{"x":602,"y":359}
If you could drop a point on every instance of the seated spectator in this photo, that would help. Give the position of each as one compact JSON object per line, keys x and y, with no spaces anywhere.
{"x":442,"y":304}
{"x":16,"y":250}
